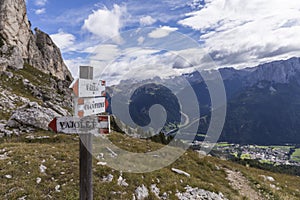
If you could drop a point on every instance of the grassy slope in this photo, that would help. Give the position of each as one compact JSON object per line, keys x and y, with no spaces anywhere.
{"x":16,"y":86}
{"x":60,"y":154}
{"x":296,"y":155}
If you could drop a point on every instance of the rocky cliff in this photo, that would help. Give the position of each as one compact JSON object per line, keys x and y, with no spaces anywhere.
{"x":19,"y":45}
{"x":33,"y":77}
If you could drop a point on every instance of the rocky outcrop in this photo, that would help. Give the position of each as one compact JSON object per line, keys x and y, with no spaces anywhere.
{"x":195,"y":193}
{"x":14,"y":25}
{"x":32,"y":115}
{"x":18,"y":43}
{"x":282,"y":71}
{"x":10,"y":56}
{"x":47,"y":56}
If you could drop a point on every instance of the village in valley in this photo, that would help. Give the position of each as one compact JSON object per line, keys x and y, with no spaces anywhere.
{"x":274,"y":155}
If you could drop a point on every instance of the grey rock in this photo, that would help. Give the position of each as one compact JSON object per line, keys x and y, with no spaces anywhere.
{"x":155,"y":190}
{"x":122,"y":181}
{"x":19,"y":43}
{"x":8,"y":74}
{"x":195,"y":193}
{"x":56,"y":108}
{"x":141,"y":192}
{"x":32,"y":115}
{"x":108,"y":178}
{"x":178,"y":171}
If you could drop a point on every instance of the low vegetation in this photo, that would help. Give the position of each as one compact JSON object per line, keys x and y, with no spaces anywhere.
{"x":23,"y":157}
{"x":296,"y":155}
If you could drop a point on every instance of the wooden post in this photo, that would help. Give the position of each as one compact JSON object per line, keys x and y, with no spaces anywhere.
{"x":85,"y":149}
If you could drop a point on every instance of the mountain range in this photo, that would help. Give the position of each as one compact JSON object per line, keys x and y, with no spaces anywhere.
{"x":263,"y":102}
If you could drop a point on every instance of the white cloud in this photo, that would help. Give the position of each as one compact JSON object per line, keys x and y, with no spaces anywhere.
{"x":105,"y":23}
{"x":239,"y":33}
{"x":140,"y":40}
{"x":104,"y":52}
{"x":40,"y":11}
{"x":147,"y":20}
{"x":162,"y":32}
{"x":40,"y":2}
{"x":63,"y":40}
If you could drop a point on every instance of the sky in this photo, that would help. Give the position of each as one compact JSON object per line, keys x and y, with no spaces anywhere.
{"x":168,"y":37}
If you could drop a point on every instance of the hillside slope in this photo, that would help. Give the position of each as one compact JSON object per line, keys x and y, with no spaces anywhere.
{"x":51,"y":171}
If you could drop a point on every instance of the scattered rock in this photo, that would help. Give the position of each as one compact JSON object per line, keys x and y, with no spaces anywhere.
{"x":3,"y":156}
{"x":38,"y":180}
{"x":141,"y":192}
{"x":102,"y":163}
{"x":43,"y":168}
{"x":108,"y":178}
{"x":122,"y":181}
{"x":23,"y":197}
{"x":195,"y":193}
{"x":155,"y":190}
{"x":268,"y":178}
{"x":8,"y":176}
{"x":178,"y":171}
{"x":57,"y":188}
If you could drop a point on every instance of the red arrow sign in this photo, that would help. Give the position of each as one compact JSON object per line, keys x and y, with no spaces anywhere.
{"x":72,"y":125}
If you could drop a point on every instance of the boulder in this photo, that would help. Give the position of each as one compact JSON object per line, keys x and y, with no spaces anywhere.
{"x":141,"y":192}
{"x":32,"y":115}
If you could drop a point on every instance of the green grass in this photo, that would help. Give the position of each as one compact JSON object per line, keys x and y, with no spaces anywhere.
{"x":296,"y":155}
{"x":15,"y":85}
{"x":223,"y":144}
{"x":266,"y":162}
{"x":283,"y":148}
{"x":245,"y":156}
{"x":60,"y":154}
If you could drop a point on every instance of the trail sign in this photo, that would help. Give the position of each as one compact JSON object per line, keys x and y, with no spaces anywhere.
{"x":89,"y":100}
{"x":74,"y":125}
{"x":88,"y":88}
{"x":91,"y":106}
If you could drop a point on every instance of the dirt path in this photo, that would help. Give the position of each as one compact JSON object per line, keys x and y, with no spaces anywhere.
{"x":240,"y":183}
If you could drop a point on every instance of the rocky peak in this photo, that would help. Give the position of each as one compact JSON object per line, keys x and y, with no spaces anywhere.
{"x":14,"y":25}
{"x":18,"y":42}
{"x":52,"y":60}
{"x":282,"y":71}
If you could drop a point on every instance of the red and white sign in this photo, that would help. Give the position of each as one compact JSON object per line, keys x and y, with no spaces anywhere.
{"x":104,"y":126}
{"x":72,"y":125}
{"x":91,"y":106}
{"x":88,"y":88}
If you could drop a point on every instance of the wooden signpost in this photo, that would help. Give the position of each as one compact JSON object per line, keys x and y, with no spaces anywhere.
{"x":89,"y":100}
{"x":72,"y":125}
{"x":90,"y":106}
{"x":88,"y":88}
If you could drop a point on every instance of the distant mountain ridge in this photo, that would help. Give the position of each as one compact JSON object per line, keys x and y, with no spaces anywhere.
{"x":263,"y":102}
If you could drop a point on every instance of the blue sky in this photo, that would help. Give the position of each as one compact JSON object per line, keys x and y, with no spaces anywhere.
{"x":235,"y":33}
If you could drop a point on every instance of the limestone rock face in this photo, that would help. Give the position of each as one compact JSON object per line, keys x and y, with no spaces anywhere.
{"x":32,"y":115}
{"x":48,"y":57}
{"x":14,"y":25}
{"x":36,"y":49}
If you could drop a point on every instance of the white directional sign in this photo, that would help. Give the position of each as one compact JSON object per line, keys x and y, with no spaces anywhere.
{"x":75,"y":125}
{"x":91,"y":106}
{"x":88,"y":88}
